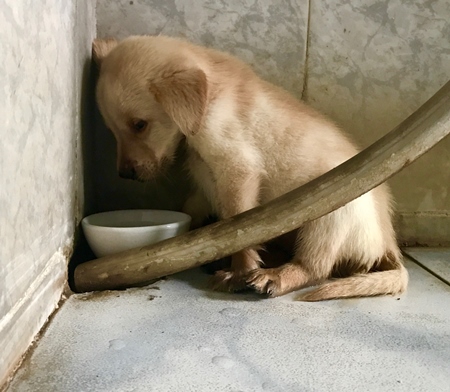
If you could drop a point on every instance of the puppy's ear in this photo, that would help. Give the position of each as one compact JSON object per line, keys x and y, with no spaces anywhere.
{"x":182,"y":95}
{"x":101,"y":48}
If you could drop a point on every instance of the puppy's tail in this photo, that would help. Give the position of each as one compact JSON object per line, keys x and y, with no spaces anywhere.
{"x":390,"y":281}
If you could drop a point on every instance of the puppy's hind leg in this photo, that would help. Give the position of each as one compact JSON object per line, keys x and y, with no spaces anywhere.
{"x":278,"y":281}
{"x":369,"y":261}
{"x":318,"y":246}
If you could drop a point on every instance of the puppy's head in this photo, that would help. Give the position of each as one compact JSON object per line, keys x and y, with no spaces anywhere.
{"x":150,"y":94}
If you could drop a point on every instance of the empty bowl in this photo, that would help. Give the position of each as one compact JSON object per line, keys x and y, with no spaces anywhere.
{"x":116,"y":231}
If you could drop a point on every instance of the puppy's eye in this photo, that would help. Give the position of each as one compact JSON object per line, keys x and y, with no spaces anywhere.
{"x":139,"y":125}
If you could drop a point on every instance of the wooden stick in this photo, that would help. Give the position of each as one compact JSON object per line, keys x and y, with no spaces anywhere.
{"x":408,"y":141}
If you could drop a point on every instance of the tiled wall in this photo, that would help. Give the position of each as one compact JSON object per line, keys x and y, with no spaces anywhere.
{"x":45,"y":48}
{"x":369,"y":64}
{"x":269,"y":35}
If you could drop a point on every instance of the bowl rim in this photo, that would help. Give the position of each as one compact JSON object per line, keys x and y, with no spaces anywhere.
{"x":184,"y":218}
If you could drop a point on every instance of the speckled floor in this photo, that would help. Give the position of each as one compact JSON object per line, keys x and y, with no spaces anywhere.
{"x":176,"y":335}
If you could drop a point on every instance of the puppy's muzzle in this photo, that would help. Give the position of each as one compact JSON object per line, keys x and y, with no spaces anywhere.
{"x":128,"y":171}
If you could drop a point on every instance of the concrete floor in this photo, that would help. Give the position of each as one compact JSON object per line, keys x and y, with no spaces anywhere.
{"x":176,"y":335}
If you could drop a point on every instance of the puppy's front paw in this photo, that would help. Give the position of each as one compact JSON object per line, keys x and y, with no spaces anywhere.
{"x":229,"y":281}
{"x":265,"y":281}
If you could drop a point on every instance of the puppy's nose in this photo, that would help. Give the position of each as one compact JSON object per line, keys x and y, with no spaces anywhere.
{"x":127,"y":171}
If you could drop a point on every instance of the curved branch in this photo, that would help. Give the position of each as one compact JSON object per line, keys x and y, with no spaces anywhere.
{"x":407,"y":142}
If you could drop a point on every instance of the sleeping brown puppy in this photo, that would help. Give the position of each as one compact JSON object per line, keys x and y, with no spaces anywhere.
{"x":248,"y":142}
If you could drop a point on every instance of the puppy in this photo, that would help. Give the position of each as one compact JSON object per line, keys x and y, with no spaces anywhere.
{"x":248,"y":142}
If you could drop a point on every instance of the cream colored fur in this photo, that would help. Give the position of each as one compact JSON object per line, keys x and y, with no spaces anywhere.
{"x":248,"y":142}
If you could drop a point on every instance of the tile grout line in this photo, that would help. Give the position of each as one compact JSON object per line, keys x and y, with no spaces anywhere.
{"x":304,"y":95}
{"x":414,"y":260}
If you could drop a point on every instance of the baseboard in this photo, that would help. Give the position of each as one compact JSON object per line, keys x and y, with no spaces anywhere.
{"x":19,"y":327}
{"x":423,"y":228}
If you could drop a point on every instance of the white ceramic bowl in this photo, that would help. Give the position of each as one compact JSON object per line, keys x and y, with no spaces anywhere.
{"x":117,"y":231}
